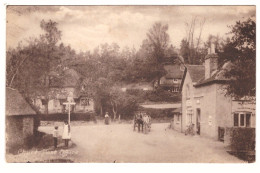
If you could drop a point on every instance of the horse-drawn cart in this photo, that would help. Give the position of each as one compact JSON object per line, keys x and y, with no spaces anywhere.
{"x":141,"y":119}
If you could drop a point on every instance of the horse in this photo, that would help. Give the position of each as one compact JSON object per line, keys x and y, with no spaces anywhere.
{"x":138,"y":121}
{"x":143,"y":120}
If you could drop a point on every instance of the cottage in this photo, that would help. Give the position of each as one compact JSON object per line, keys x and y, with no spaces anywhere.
{"x":60,"y":93}
{"x":172,"y":80}
{"x":204,"y":103}
{"x":19,"y":120}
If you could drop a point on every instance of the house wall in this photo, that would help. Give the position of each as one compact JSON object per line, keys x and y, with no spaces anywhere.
{"x":28,"y":126}
{"x":205,"y":99}
{"x":14,"y":131}
{"x":176,"y":124}
{"x":187,"y":100}
{"x":243,"y":107}
{"x":224,"y":106}
{"x":216,"y":109}
{"x":165,"y":81}
{"x":55,"y":105}
{"x":84,"y":108}
{"x":18,"y":128}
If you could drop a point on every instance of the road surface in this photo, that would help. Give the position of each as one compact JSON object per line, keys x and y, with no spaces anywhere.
{"x":118,"y":143}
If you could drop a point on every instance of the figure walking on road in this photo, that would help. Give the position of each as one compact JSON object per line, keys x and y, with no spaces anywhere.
{"x":106,"y":118}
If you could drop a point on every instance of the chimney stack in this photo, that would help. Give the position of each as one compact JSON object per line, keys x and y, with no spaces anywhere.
{"x":211,"y":61}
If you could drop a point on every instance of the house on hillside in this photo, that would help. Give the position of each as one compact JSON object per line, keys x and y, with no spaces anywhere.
{"x":59,"y":93}
{"x":19,"y":120}
{"x":172,"y":80}
{"x":204,"y":103}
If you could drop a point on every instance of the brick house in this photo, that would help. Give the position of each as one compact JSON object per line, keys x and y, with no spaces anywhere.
{"x":204,"y":103}
{"x":19,"y":120}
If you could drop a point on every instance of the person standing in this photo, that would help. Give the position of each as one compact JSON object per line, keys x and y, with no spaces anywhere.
{"x":106,"y":118}
{"x":55,"y":136}
{"x":66,"y":133}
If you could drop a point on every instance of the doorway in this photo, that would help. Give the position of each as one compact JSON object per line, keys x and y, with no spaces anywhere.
{"x":198,"y":122}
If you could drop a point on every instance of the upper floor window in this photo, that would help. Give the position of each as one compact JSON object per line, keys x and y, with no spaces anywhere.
{"x":187,"y":91}
{"x":175,"y":89}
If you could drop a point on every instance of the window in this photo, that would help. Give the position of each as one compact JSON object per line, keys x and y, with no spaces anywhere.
{"x":189,"y":117}
{"x":175,"y":89}
{"x":187,"y":91}
{"x":242,"y":120}
{"x":84,"y":102}
{"x":178,"y":117}
{"x":248,"y":120}
{"x":235,"y":120}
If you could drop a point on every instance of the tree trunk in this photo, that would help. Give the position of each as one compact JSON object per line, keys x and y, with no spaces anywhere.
{"x":47,"y":107}
{"x":101,"y":110}
{"x":114,"y":110}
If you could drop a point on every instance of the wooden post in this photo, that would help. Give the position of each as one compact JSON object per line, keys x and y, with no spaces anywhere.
{"x":69,"y":104}
{"x":69,"y":115}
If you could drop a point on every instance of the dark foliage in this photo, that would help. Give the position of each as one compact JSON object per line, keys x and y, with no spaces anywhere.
{"x":241,"y":52}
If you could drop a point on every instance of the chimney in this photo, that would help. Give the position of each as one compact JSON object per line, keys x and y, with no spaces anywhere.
{"x":211,"y":61}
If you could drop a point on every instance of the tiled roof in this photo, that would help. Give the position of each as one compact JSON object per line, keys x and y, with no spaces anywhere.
{"x":197,"y":72}
{"x":16,"y":104}
{"x":217,"y":75}
{"x":173,"y":71}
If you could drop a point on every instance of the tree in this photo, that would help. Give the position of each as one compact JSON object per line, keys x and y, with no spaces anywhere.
{"x":241,"y":52}
{"x":32,"y":68}
{"x":158,"y":41}
{"x":190,"y":49}
{"x":147,"y":64}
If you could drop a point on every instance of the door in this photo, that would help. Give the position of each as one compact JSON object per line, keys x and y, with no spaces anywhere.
{"x":198,"y":122}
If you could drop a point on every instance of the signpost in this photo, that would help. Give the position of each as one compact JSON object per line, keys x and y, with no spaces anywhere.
{"x":69,"y":104}
{"x":70,"y":101}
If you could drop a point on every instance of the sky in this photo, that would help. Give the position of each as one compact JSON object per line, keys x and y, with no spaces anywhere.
{"x":86,"y":27}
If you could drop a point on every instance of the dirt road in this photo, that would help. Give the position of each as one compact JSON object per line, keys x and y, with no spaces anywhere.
{"x":118,"y":143}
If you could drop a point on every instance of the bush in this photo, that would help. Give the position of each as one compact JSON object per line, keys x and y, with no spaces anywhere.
{"x":161,"y":95}
{"x":159,"y":113}
{"x":242,"y":143}
{"x":242,"y":139}
{"x":63,"y":117}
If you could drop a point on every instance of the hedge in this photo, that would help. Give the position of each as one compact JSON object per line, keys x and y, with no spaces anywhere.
{"x":63,"y":117}
{"x":242,"y":142}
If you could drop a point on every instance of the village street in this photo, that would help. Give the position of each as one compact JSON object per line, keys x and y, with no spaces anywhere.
{"x":119,"y":143}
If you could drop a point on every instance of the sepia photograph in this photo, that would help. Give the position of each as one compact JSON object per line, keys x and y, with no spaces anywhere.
{"x":130,"y":84}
